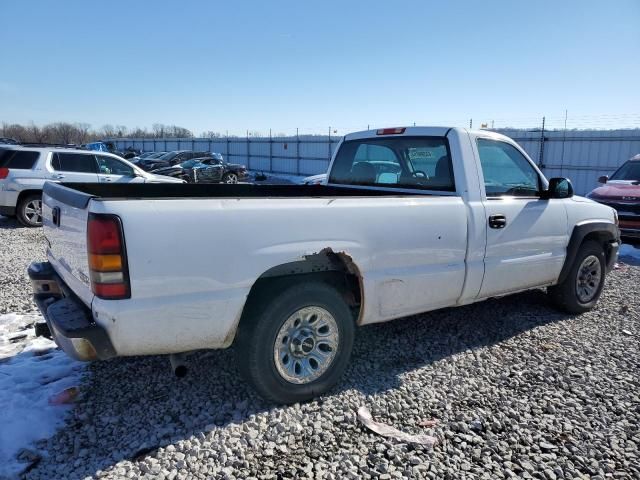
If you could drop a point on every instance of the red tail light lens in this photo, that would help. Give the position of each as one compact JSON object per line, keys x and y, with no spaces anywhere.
{"x":107,"y":257}
{"x":4,"y":173}
{"x":390,"y":131}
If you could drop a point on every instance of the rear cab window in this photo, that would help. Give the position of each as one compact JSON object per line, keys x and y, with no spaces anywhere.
{"x":18,"y":159}
{"x":422,"y":163}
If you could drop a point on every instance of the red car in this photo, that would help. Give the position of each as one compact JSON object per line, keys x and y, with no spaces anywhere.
{"x":622,"y":192}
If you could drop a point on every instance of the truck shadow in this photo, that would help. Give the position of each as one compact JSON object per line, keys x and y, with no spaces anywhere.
{"x":131,"y":407}
{"x":9,"y":223}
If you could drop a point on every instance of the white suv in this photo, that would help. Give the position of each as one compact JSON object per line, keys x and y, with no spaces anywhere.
{"x":24,"y":170}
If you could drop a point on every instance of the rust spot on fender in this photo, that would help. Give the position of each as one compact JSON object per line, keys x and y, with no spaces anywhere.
{"x":326,"y":259}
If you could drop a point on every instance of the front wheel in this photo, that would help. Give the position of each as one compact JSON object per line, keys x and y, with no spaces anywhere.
{"x":29,"y":210}
{"x":298,"y":345}
{"x":230,"y":178}
{"x":581,"y":289}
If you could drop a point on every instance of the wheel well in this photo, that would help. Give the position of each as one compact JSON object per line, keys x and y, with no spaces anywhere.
{"x":25,"y":193}
{"x":334,"y":269}
{"x":602,"y":232}
{"x":603,"y":238}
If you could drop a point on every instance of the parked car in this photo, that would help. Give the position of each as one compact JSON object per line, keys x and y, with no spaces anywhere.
{"x":170,"y":158}
{"x":464,"y":216}
{"x":208,"y":168}
{"x":149,"y":155}
{"x":24,"y":171}
{"x":621,"y":191}
{"x":9,"y":141}
{"x":315,"y":179}
{"x":231,"y":172}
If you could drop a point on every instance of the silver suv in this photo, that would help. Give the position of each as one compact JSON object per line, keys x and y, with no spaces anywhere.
{"x":24,"y":169}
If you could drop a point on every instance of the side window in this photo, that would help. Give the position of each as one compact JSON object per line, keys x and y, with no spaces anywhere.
{"x":74,"y":162}
{"x":506,"y":171}
{"x":111,"y":166}
{"x":18,"y":159}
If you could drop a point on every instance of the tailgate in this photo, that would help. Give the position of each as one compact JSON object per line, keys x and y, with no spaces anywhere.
{"x":65,"y":213}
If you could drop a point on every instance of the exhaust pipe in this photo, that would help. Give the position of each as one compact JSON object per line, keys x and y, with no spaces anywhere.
{"x":178,"y":364}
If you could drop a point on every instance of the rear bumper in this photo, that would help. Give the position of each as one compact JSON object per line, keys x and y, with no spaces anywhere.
{"x":70,"y":323}
{"x":8,"y":200}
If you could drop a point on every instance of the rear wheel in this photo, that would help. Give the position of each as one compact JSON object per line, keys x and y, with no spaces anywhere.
{"x":230,"y":178}
{"x":29,"y":211}
{"x":298,"y":345}
{"x":581,"y":289}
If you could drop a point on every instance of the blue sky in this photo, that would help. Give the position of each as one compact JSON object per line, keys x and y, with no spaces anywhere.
{"x":240,"y":65}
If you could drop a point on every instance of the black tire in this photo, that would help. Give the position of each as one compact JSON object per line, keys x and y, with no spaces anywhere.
{"x":258,"y":333}
{"x":230,"y":177}
{"x":24,"y":212}
{"x":565,"y":295}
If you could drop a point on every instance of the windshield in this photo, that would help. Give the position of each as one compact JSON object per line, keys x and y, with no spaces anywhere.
{"x":188,"y":163}
{"x":168,"y":156}
{"x":628,"y":171}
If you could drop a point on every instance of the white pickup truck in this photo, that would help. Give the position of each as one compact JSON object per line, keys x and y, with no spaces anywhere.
{"x":409,"y":220}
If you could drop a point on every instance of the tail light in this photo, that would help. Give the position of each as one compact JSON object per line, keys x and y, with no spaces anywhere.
{"x":4,"y":173}
{"x":107,"y":257}
{"x":390,"y":131}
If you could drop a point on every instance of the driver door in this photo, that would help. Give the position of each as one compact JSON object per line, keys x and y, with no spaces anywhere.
{"x":112,"y":170}
{"x":526,"y":235}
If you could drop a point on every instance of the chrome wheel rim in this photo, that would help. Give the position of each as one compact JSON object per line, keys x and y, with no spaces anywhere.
{"x":33,"y":212}
{"x":306,"y":345}
{"x":588,"y":279}
{"x":231,"y":178}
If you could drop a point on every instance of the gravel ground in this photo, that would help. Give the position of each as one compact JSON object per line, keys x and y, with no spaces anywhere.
{"x":517,"y":390}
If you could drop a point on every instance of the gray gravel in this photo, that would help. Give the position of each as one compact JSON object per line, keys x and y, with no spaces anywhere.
{"x":19,"y":246}
{"x":518,"y":391}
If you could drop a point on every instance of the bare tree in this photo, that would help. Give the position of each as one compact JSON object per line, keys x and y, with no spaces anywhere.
{"x":211,"y":134}
{"x":37,"y":134}
{"x":82,"y":132}
{"x":64,"y":132}
{"x":121,"y":131}
{"x":15,"y":131}
{"x":108,"y":131}
{"x":158,"y":130}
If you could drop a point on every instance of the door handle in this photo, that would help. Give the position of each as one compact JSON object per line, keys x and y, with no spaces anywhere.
{"x":58,"y":175}
{"x":497,"y":221}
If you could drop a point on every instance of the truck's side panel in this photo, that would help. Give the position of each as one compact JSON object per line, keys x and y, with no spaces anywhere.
{"x":188,"y":292}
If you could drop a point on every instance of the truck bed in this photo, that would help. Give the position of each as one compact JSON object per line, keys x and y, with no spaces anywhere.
{"x":79,"y":194}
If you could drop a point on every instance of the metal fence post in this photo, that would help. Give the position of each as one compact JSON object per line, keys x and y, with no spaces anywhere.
{"x":227,"y":153}
{"x":297,"y":152}
{"x":248,"y":152}
{"x":541,"y":151}
{"x":329,"y":156}
{"x":270,"y":152}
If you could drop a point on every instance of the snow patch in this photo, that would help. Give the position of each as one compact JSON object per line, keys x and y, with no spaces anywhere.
{"x":32,"y":369}
{"x":277,"y":178}
{"x":629,"y":251}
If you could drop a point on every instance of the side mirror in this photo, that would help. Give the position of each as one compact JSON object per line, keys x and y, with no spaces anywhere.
{"x":559,"y":187}
{"x":603,"y":179}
